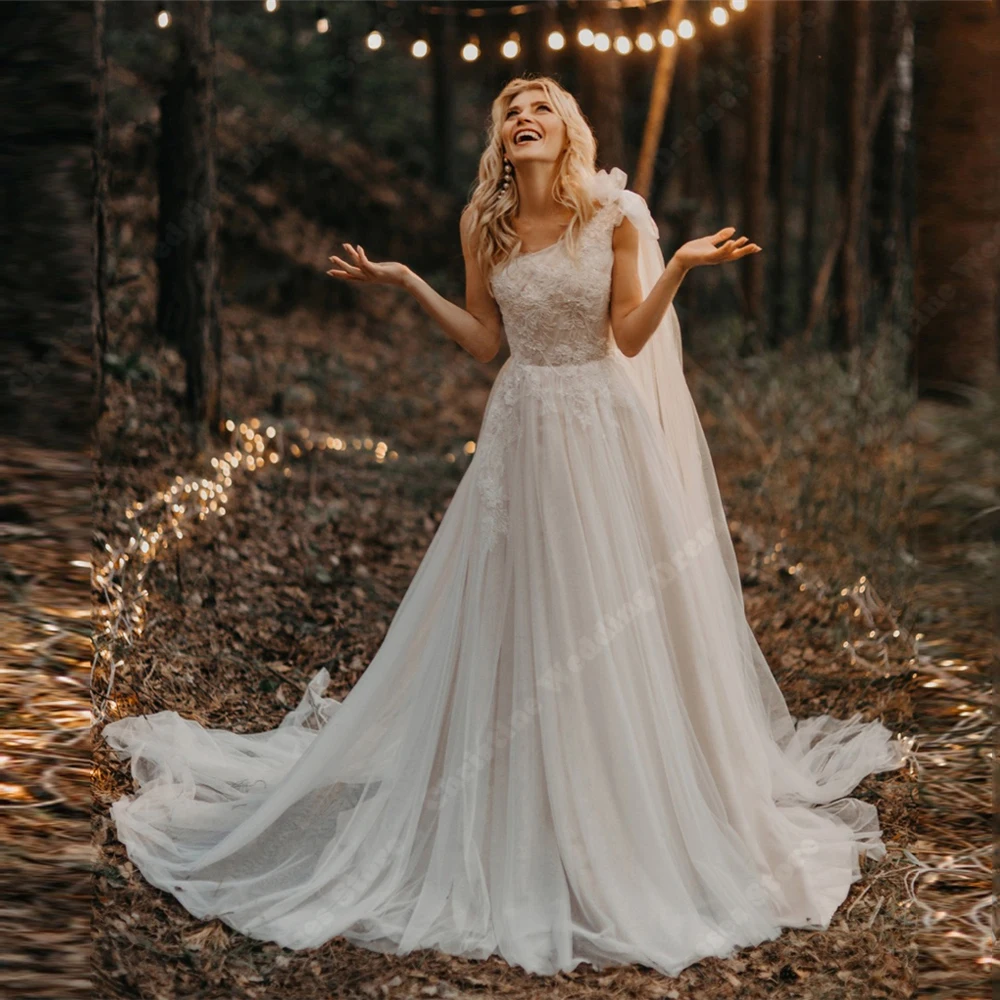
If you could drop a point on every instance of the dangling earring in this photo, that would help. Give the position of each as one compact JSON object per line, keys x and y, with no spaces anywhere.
{"x":507,"y":169}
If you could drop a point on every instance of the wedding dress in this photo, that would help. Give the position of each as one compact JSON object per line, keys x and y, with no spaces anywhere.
{"x":569,"y":746}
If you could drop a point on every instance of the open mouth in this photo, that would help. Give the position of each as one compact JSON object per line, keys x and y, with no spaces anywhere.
{"x":527,"y":135}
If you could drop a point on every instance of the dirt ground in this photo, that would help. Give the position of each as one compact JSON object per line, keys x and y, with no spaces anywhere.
{"x":306,"y":569}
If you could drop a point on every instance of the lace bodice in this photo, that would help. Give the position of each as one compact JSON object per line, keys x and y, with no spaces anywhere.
{"x":555,"y":307}
{"x":562,"y":352}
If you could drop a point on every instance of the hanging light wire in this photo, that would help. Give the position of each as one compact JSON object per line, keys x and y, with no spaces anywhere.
{"x":556,"y":39}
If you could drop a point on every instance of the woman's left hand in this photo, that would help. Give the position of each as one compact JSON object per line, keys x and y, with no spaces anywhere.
{"x":715,"y":249}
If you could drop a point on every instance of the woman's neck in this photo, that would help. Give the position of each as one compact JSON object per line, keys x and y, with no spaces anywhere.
{"x":534,"y":191}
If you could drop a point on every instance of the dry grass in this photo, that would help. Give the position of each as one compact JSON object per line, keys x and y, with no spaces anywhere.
{"x":232,"y":643}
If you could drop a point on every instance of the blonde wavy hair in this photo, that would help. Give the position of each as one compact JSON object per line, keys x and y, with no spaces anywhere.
{"x":492,"y":209}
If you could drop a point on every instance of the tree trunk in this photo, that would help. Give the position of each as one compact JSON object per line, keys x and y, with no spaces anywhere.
{"x":533,"y":28}
{"x":443,"y":44}
{"x":788,"y":103}
{"x":755,"y":205}
{"x":958,"y":198}
{"x":891,"y":163}
{"x":99,"y":168}
{"x":817,"y":68}
{"x":659,"y":98}
{"x":187,"y":245}
{"x":548,"y":21}
{"x":47,"y":122}
{"x":848,"y":332}
{"x":686,"y":188}
{"x":601,"y":90}
{"x":901,"y":190}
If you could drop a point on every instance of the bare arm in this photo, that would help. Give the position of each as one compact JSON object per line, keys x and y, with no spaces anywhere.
{"x":634,"y":319}
{"x":477,"y":328}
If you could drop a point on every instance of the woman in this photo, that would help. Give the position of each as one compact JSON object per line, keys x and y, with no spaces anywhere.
{"x":569,"y":746}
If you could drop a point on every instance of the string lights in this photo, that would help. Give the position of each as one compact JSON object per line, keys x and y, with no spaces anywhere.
{"x":954,"y":755}
{"x":645,"y":42}
{"x":882,"y":644}
{"x":165,"y":519}
{"x":623,"y":43}
{"x":470,"y":50}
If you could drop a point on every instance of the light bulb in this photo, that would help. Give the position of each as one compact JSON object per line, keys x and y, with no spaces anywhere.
{"x":419,"y":49}
{"x":470,"y":50}
{"x":556,"y":40}
{"x":719,"y":16}
{"x":374,"y":41}
{"x":738,"y":4}
{"x":270,"y":6}
{"x":645,"y":41}
{"x":585,"y":37}
{"x":667,"y":38}
{"x":686,"y":29}
{"x":623,"y":45}
{"x":163,"y":18}
{"x":322,"y":25}
{"x":601,"y":42}
{"x":511,"y":47}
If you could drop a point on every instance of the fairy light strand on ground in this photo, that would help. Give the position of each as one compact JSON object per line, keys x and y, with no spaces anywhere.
{"x":949,"y":890}
{"x":884,"y":645}
{"x":118,"y":573}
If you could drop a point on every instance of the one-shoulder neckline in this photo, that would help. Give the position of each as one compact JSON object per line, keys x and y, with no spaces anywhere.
{"x":534,"y":253}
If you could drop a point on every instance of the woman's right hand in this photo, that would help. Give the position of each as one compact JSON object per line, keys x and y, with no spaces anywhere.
{"x":362,"y":269}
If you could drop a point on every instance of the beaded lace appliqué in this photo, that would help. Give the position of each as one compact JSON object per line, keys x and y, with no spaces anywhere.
{"x":555,"y":314}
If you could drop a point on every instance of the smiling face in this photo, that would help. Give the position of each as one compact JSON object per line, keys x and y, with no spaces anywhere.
{"x":532,"y":131}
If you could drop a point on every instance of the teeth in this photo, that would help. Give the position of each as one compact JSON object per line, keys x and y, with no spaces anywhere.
{"x":527,"y":135}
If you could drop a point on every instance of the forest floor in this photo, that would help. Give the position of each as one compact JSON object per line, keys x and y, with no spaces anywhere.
{"x":839,"y":503}
{"x":306,"y":568}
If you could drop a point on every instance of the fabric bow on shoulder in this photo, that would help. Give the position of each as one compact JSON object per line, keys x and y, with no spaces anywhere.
{"x":605,"y":187}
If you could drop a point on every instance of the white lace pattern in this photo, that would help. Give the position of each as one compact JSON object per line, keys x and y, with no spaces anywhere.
{"x":563,"y":354}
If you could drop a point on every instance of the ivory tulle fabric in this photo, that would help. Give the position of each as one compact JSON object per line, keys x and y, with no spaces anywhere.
{"x":569,"y":747}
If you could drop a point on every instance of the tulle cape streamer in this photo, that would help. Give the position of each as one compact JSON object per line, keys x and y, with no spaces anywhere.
{"x":658,"y":374}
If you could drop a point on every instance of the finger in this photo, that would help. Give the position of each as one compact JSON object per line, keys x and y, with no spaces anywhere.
{"x":351,"y":250}
{"x":722,"y":252}
{"x":366,"y":265}
{"x":746,"y":251}
{"x":350,"y":268}
{"x":740,"y":241}
{"x":723,"y":234}
{"x":334,"y":273}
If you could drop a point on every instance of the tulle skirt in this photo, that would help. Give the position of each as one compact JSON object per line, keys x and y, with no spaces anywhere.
{"x":568,"y":747}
